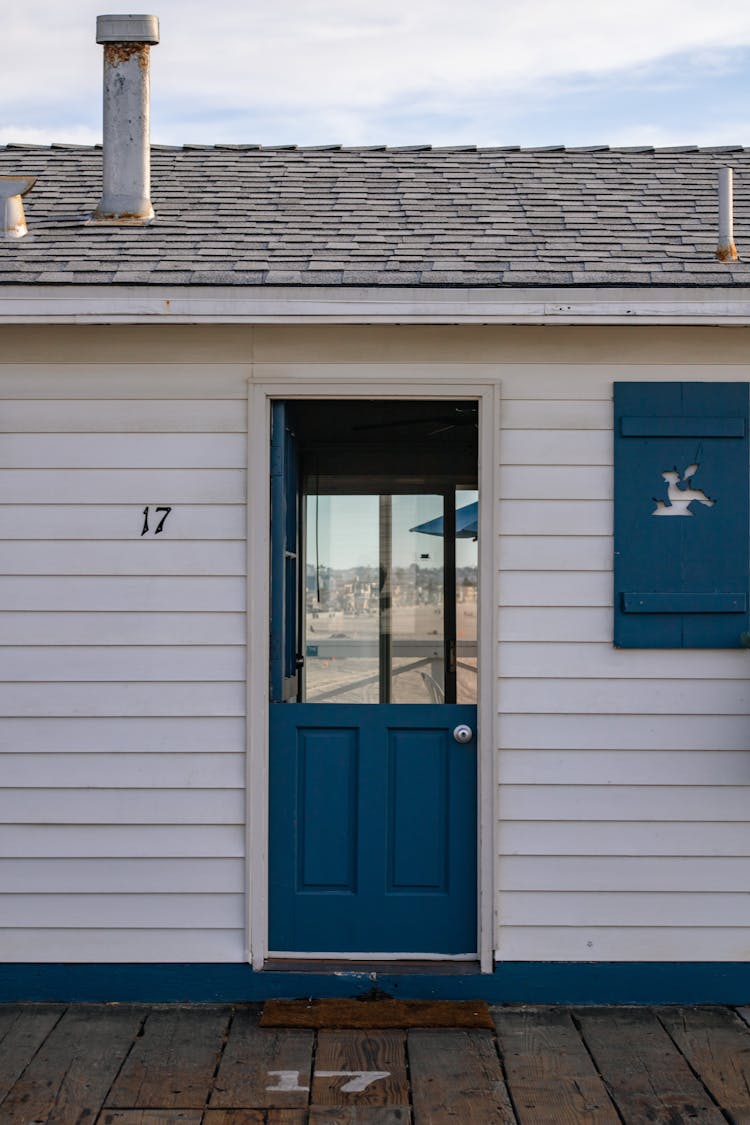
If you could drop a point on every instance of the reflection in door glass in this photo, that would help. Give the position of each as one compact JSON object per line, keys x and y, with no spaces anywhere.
{"x":417,"y":659}
{"x":374,"y":612}
{"x":467,"y":561}
{"x":341,"y":642}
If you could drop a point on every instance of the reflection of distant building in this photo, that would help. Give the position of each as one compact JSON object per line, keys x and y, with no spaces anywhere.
{"x":466,"y":584}
{"x":355,"y":590}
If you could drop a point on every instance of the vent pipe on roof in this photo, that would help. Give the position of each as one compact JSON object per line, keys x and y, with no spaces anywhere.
{"x":12,"y":188}
{"x":726,"y":251}
{"x":126,"y":163}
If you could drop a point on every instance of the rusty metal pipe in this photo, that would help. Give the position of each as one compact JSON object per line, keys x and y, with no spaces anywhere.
{"x":126,"y":156}
{"x":726,"y":251}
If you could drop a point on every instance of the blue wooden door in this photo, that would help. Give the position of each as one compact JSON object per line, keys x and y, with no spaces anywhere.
{"x":372,"y":838}
{"x":373,"y":829}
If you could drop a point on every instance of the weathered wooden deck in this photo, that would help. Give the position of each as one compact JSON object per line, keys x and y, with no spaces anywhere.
{"x":213,"y":1065}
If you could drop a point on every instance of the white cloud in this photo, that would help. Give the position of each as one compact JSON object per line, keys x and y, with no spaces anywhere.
{"x":345,"y":69}
{"x":47,"y":135}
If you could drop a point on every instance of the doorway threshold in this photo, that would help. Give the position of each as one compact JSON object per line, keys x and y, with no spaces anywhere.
{"x":372,"y":968}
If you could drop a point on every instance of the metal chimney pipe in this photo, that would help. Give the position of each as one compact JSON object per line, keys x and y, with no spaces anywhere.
{"x":12,"y":189}
{"x":726,"y":251}
{"x":126,"y":172}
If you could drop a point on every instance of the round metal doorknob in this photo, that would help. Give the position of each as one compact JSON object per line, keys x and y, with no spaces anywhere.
{"x":462,"y":733}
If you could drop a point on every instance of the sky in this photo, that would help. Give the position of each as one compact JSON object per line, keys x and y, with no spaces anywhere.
{"x":397,"y":72}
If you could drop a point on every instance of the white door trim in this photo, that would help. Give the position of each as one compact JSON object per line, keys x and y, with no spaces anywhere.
{"x":258,"y":591}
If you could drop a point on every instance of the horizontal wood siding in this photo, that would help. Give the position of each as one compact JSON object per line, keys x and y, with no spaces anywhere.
{"x":123,"y":664}
{"x":624,"y":776}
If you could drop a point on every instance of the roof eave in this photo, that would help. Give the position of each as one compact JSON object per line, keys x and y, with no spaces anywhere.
{"x":181,"y":304}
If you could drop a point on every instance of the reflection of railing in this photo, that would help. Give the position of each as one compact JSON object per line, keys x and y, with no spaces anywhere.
{"x":428,"y":654}
{"x":328,"y":647}
{"x":365,"y":681}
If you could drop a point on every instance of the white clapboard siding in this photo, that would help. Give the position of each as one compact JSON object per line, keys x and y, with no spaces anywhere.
{"x":136,"y":841}
{"x":557,"y":447}
{"x":555,"y":517}
{"x":579,"y":660}
{"x":127,"y":911}
{"x":122,"y":663}
{"x":143,"y":381}
{"x":664,"y":874}
{"x":113,"y":592}
{"x":123,"y":451}
{"x":622,"y":908}
{"x":120,"y":700}
{"x":623,"y":943}
{"x":111,"y":769}
{"x":96,"y":628}
{"x":148,"y":555}
{"x":119,"y":876}
{"x":122,"y":806}
{"x":168,"y":734}
{"x":556,"y":588}
{"x":612,"y":837}
{"x":114,"y":945}
{"x":624,"y":775}
{"x":591,"y":376}
{"x":557,"y":414}
{"x":555,"y":623}
{"x":624,"y":802}
{"x":64,"y":416}
{"x":137,"y":664}
{"x":100,"y":522}
{"x":567,"y":482}
{"x":555,"y":552}
{"x":632,"y":696}
{"x":624,"y":767}
{"x":623,"y":732}
{"x":123,"y":486}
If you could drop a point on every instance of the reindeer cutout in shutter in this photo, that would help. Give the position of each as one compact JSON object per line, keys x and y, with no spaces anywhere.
{"x":681,"y":496}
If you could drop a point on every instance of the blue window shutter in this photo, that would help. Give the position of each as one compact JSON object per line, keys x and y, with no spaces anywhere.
{"x":681,"y":581}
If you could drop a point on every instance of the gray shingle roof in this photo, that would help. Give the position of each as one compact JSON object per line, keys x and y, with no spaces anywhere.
{"x":246,"y":215}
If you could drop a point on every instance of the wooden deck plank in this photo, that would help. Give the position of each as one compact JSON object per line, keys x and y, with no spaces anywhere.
{"x":647,"y":1077}
{"x":238,"y":1117}
{"x":456,"y":1076}
{"x":716,"y":1043}
{"x":360,"y":1115}
{"x":379,"y":1057}
{"x":150,"y":1117}
{"x":23,"y":1029}
{"x":69,"y":1076}
{"x":172,"y":1064}
{"x":286,"y":1117}
{"x":255,"y":1062}
{"x":549,"y":1072}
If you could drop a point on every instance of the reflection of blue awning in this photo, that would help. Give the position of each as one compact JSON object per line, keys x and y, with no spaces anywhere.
{"x":466,"y":523}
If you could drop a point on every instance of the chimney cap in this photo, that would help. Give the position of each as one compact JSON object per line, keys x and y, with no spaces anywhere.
{"x":15,"y":185}
{"x":127,"y":29}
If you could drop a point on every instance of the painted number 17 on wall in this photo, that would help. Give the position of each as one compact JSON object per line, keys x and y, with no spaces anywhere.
{"x":159,"y":525}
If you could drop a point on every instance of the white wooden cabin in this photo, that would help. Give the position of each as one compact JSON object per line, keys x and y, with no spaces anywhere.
{"x":138,"y":367}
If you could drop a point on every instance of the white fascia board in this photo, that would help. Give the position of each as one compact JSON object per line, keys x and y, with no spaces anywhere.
{"x":124,"y":304}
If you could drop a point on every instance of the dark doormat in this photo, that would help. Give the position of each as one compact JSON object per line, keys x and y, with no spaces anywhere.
{"x":354,"y":1014}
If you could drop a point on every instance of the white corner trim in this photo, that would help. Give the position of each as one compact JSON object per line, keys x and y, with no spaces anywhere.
{"x":132,"y":304}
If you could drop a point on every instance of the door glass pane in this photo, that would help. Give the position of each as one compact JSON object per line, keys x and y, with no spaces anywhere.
{"x":341,"y":640}
{"x":417,"y":672}
{"x":374,"y":604}
{"x":467,"y":561}
{"x":374,"y":627}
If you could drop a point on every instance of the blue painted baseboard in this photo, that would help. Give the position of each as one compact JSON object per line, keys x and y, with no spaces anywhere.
{"x":517,"y":982}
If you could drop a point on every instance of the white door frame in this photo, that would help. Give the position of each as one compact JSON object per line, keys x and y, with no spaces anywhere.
{"x":258,"y":616}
